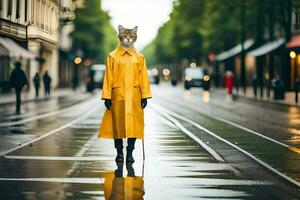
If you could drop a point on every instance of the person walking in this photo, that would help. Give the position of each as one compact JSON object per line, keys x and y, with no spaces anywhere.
{"x":126,"y":89}
{"x":37,"y":84}
{"x":47,"y":83}
{"x":18,"y":80}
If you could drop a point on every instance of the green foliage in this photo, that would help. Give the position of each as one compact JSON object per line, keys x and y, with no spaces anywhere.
{"x":198,"y":28}
{"x":93,"y":34}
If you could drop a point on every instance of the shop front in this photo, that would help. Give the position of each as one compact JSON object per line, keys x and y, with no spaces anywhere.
{"x":294,"y":59}
{"x":10,"y":52}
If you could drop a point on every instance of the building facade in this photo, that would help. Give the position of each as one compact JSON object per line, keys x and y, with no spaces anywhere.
{"x":66,"y":64}
{"x":294,"y":47}
{"x":42,"y":36}
{"x":32,"y":24}
{"x":13,"y":25}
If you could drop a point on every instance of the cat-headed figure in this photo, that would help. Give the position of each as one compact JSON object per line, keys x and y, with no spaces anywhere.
{"x":126,"y":89}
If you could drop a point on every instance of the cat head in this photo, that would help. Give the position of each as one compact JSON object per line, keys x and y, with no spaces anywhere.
{"x":127,"y":37}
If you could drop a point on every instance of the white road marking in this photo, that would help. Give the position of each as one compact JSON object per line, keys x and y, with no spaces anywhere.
{"x":50,"y":132}
{"x":190,"y":134}
{"x":264,"y":164}
{"x":100,"y":180}
{"x":80,"y":153}
{"x":58,"y":180}
{"x":61,"y":158}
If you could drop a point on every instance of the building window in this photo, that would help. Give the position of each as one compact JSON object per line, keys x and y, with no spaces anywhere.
{"x":297,"y":21}
{"x":9,"y":11}
{"x":26,"y":7}
{"x":0,"y":7}
{"x":18,"y":9}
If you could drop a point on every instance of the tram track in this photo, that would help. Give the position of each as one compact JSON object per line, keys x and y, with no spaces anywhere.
{"x":169,"y":114}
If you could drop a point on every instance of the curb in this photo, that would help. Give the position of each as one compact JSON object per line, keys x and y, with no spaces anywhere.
{"x":264,"y":101}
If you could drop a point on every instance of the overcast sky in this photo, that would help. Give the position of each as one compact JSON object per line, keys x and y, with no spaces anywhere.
{"x":148,"y":15}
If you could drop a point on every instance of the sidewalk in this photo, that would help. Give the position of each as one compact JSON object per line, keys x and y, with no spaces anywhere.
{"x":288,"y":100}
{"x":27,"y":96}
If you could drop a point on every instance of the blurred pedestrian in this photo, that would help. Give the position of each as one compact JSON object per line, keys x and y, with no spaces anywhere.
{"x":18,"y":80}
{"x":229,"y":81}
{"x":47,"y":83}
{"x":278,"y":86}
{"x":75,"y":82}
{"x":126,"y":89}
{"x":254,"y":85}
{"x":37,"y":84}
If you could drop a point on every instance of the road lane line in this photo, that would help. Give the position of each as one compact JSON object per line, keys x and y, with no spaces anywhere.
{"x":58,"y":180}
{"x":50,"y":132}
{"x":191,"y":135}
{"x":81,"y":152}
{"x":195,"y":124}
{"x":200,"y":181}
{"x":60,"y":158}
{"x":41,"y":116}
{"x":294,"y":149}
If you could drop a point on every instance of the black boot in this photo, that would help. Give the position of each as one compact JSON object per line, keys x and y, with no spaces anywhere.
{"x":130,"y":169}
{"x":129,"y":157}
{"x":120,"y":156}
{"x":119,"y":170}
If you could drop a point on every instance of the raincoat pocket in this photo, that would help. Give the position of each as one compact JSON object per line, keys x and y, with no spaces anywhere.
{"x":137,"y":94}
{"x":117,"y":93}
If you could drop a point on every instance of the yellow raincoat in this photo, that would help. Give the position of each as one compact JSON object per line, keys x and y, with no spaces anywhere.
{"x":125,"y":83}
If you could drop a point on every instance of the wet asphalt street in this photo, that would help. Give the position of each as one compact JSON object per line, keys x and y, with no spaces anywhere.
{"x":198,"y":145}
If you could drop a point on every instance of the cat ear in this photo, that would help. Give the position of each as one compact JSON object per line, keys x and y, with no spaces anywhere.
{"x":121,"y":28}
{"x":135,"y":29}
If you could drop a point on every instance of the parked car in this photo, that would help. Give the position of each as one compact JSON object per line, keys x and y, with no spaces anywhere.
{"x":196,"y":77}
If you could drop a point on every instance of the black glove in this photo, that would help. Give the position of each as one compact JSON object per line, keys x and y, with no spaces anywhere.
{"x":108,"y":103}
{"x":144,"y":103}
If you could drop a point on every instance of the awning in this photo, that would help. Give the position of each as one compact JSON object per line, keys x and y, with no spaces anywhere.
{"x":267,"y":48}
{"x":235,"y":50}
{"x":14,"y":50}
{"x":295,"y":42}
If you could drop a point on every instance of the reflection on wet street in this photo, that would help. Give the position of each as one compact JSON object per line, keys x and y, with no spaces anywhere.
{"x":60,"y":157}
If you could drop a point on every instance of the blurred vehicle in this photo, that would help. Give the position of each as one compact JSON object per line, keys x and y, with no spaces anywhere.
{"x":154,"y":76}
{"x":97,"y":75}
{"x":196,"y":77}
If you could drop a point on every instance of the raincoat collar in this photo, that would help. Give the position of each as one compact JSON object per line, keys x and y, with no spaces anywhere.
{"x":122,"y":51}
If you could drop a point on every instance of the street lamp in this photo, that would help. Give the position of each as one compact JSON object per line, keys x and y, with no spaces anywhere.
{"x":77,"y":60}
{"x":193,"y":64}
{"x":292,"y":54}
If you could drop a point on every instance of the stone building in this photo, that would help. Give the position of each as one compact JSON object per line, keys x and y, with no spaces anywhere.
{"x":29,"y":33}
{"x":13,"y":39}
{"x":42,"y":36}
{"x":66,"y":64}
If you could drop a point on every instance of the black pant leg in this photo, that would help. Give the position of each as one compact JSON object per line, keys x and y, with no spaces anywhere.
{"x":18,"y":100}
{"x":118,"y":143}
{"x":48,"y":90}
{"x":36,"y":91}
{"x":131,"y":143}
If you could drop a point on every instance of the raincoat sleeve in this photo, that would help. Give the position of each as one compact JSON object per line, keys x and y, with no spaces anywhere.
{"x":145,"y":85}
{"x":107,"y":82}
